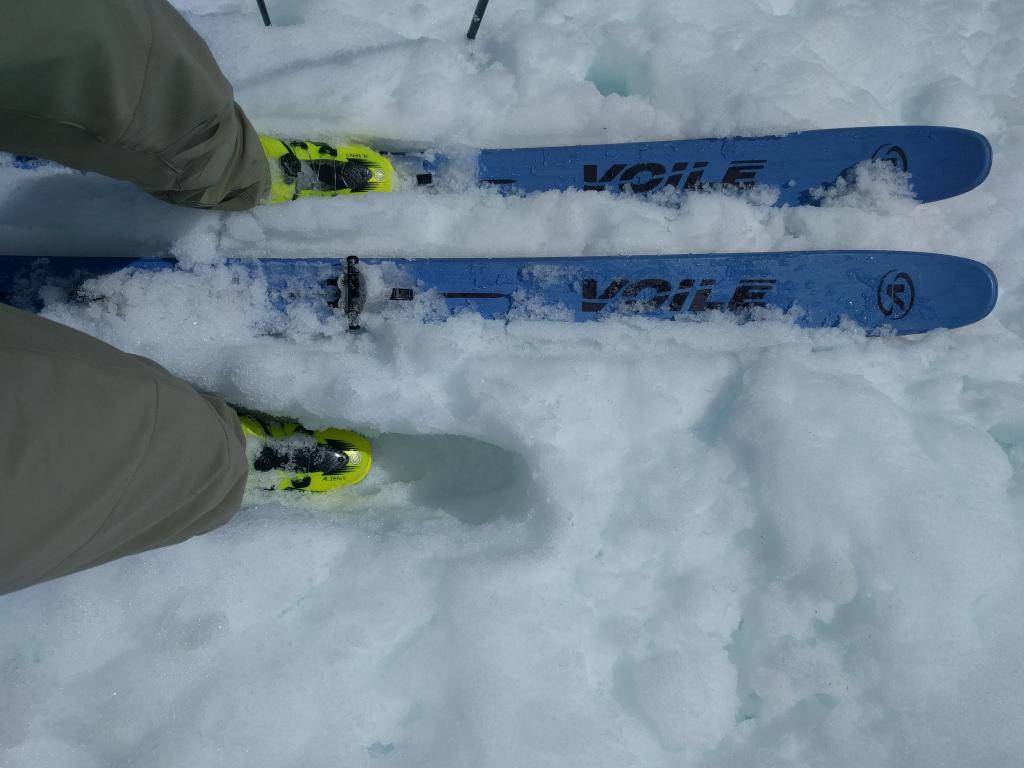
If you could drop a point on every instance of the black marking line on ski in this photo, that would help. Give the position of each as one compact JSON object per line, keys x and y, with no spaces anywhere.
{"x":498,"y":181}
{"x":476,"y":295}
{"x":407,"y":294}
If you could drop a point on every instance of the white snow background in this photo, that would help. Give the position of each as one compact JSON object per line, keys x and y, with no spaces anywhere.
{"x":629,"y":543}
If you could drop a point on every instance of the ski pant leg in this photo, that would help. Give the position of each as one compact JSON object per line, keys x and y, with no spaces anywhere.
{"x":126,"y":88}
{"x":102,"y":454}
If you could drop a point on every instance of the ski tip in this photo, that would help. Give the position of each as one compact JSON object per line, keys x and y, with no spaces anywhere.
{"x":991,"y":284}
{"x":957,"y":160}
{"x":966,"y":292}
{"x":983,"y":153}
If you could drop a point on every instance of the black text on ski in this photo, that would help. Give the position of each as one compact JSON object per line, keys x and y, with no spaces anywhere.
{"x":646,"y":177}
{"x":689,"y":295}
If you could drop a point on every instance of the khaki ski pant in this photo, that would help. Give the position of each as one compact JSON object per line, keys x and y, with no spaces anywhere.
{"x":126,"y":88}
{"x":102,"y":454}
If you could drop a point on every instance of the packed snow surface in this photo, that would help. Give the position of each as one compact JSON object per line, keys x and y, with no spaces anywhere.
{"x":627,"y":543}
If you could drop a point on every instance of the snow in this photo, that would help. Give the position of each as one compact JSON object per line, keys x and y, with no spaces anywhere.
{"x":629,"y":543}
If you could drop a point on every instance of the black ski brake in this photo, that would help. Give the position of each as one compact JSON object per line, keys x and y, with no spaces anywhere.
{"x":351,"y":293}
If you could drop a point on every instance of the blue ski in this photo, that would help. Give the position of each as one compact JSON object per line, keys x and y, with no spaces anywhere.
{"x":942,"y":162}
{"x":907,"y":292}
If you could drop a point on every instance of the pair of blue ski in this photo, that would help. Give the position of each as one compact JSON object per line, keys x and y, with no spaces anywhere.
{"x":905,"y":292}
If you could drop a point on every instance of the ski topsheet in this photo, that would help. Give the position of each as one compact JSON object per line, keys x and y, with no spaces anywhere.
{"x":907,"y":292}
{"x":941,"y":162}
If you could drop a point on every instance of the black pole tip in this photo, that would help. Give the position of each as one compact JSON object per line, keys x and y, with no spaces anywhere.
{"x":478,"y":16}
{"x":264,"y":12}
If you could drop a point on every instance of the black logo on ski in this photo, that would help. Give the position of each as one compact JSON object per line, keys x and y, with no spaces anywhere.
{"x":893,"y":154}
{"x":896,"y":294}
{"x":646,"y":177}
{"x":688,"y":294}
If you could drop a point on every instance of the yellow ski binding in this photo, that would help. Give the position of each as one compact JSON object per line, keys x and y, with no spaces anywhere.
{"x":287,"y":457}
{"x":314,"y":169}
